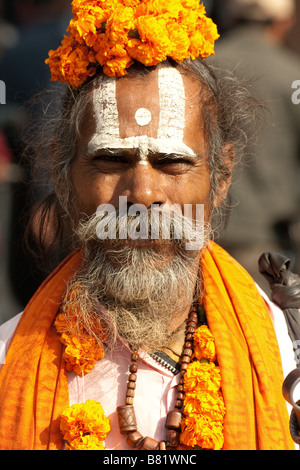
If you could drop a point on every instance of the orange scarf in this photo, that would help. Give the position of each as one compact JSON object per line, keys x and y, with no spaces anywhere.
{"x":34,"y":387}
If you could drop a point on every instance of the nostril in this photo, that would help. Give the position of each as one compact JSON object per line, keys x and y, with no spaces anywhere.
{"x":156,"y":203}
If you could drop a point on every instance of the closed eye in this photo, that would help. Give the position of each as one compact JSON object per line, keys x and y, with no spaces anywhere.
{"x":173,"y":164}
{"x":109,"y":161}
{"x":169,"y":160}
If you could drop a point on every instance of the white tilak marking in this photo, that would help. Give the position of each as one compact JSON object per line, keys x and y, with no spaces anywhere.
{"x":171,"y":125}
{"x":143,"y":143}
{"x":172,"y":104}
{"x":143,"y":117}
{"x":106,"y":110}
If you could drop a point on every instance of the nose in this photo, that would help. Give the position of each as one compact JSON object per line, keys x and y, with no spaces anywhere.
{"x":142,"y":185}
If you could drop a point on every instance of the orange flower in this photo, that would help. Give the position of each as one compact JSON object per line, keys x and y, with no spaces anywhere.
{"x":70,"y":63}
{"x":204,"y":407}
{"x":84,"y":426}
{"x":82,"y":347}
{"x":202,"y":377}
{"x":203,"y":38}
{"x":146,"y":53}
{"x":180,"y":42}
{"x":174,"y":28}
{"x":88,"y":442}
{"x":210,"y":405}
{"x":81,"y":354}
{"x":202,"y":432}
{"x":119,"y":24}
{"x":117,"y":67}
{"x":204,"y":345}
{"x":155,"y":43}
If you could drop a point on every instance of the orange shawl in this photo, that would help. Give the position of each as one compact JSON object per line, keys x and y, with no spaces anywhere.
{"x":34,"y":387}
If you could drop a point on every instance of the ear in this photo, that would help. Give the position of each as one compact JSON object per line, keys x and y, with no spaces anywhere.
{"x":228,"y":155}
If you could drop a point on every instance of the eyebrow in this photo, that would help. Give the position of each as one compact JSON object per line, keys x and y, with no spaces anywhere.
{"x":164,"y":147}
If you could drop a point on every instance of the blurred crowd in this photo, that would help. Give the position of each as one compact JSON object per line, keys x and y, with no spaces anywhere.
{"x":260,"y":41}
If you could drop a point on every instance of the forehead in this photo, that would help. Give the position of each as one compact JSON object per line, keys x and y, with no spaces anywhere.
{"x":163,"y":105}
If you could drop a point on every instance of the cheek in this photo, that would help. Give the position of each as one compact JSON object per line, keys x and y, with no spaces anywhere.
{"x":92,"y":188}
{"x":197,"y":190}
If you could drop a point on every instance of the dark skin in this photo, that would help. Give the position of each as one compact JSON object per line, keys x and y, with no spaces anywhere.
{"x":102,"y":178}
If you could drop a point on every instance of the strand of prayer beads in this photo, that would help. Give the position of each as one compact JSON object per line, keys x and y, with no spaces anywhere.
{"x":126,"y":413}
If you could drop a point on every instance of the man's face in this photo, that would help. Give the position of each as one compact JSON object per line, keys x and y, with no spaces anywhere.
{"x":146,"y":142}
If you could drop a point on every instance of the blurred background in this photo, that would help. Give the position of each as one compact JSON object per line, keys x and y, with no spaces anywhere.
{"x":260,"y":41}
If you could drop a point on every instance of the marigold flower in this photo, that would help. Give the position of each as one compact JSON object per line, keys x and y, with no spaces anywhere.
{"x":84,"y":426}
{"x":147,"y":54}
{"x":204,"y":407}
{"x":203,"y":432}
{"x":175,"y":28}
{"x":119,"y":24}
{"x":81,"y":355}
{"x":209,"y":404}
{"x":82,"y":347}
{"x":88,"y":442}
{"x":204,"y":345}
{"x":180,"y":42}
{"x":117,"y":67}
{"x":202,"y":376}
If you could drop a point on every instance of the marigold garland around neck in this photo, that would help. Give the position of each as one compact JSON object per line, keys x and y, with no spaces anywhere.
{"x":115,"y":33}
{"x":196,"y":422}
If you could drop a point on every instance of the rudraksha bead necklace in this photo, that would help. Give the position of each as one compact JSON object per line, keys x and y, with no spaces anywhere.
{"x":126,"y":414}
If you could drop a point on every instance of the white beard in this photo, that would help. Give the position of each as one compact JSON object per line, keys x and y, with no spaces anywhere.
{"x":138,"y":292}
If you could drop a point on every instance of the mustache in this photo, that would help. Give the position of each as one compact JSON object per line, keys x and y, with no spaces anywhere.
{"x":160,"y":224}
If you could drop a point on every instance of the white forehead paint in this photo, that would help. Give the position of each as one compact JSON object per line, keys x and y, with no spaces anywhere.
{"x":171,"y":122}
{"x":144,"y":144}
{"x":172,"y":104}
{"x":106,"y":110}
{"x":143,"y":117}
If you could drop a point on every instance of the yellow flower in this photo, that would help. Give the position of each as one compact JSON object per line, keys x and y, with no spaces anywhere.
{"x":82,"y":349}
{"x":70,"y":63}
{"x":203,"y":432}
{"x":202,"y":377}
{"x":154,"y":35}
{"x":146,"y":53}
{"x":203,"y":38}
{"x":204,"y":345}
{"x":174,"y":28}
{"x":204,"y":407}
{"x":209,"y":404}
{"x":81,"y":354}
{"x":130,"y":3}
{"x":88,"y":442}
{"x":84,"y":426}
{"x":119,"y":24}
{"x":117,"y":67}
{"x":180,"y":42}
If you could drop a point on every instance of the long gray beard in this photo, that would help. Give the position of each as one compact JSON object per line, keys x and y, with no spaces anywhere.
{"x":137,"y":292}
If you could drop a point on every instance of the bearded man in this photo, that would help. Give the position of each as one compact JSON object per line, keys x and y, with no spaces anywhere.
{"x":139,"y":342}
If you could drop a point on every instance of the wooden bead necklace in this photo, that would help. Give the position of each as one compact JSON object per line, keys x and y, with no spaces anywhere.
{"x":126,"y":413}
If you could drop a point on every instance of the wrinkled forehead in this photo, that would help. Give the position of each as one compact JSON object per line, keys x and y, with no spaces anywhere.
{"x":158,"y":105}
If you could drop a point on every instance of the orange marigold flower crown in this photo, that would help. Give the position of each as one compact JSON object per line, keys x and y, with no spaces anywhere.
{"x":115,"y":33}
